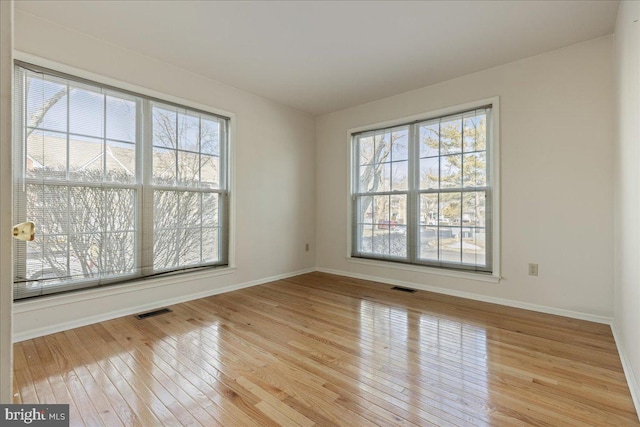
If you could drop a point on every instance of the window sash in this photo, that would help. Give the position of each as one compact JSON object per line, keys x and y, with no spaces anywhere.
{"x":141,"y":186}
{"x":414,"y":192}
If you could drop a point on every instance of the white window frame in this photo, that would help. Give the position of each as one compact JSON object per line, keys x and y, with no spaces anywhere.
{"x":493,"y":165}
{"x":150,"y":95}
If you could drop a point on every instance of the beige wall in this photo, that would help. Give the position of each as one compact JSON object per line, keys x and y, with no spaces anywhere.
{"x":556,"y":165}
{"x":274,"y":179}
{"x":627,"y":193}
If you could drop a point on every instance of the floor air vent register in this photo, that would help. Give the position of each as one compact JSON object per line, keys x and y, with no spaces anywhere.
{"x":401,"y":289}
{"x":152,"y":313}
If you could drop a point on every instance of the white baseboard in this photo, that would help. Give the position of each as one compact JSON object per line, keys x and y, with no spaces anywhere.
{"x":477,"y":297}
{"x":76,"y":323}
{"x":632,"y":379}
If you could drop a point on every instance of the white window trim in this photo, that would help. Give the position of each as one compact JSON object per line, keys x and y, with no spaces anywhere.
{"x":231,"y":177}
{"x":494,"y":165}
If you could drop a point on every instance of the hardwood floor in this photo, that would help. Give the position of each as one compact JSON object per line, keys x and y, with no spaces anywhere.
{"x":324,"y":350}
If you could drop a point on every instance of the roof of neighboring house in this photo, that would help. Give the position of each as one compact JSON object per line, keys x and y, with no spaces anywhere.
{"x":51,"y":152}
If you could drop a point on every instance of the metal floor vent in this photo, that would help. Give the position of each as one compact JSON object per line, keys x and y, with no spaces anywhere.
{"x":152,"y":313}
{"x":399,"y":288}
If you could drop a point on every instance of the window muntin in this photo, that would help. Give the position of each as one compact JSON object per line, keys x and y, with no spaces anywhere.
{"x":422,"y":193}
{"x":88,"y":172}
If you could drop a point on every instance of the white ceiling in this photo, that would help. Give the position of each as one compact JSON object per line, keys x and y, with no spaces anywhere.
{"x":324,"y":56}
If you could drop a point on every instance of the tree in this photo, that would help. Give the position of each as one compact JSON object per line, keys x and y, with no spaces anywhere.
{"x":178,"y":214}
{"x":89,"y":231}
{"x":376,"y":152}
{"x":462,"y":144}
{"x":379,"y":168}
{"x":83,"y":231}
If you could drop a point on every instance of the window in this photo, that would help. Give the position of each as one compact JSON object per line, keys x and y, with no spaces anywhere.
{"x":119,"y":185}
{"x":422,"y":192}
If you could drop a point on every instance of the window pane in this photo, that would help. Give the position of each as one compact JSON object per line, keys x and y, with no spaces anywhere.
{"x":366,"y":237}
{"x":474,"y":131}
{"x":119,"y":254}
{"x":470,"y":124}
{"x":86,"y":209}
{"x":382,"y":147}
{"x":400,"y":176}
{"x":121,"y":210}
{"x":381,"y":213}
{"x":35,"y":259}
{"x":178,"y":217}
{"x":450,"y":176}
{"x":188,"y":246}
{"x":210,"y":210}
{"x":398,"y":210}
{"x":165,"y":213}
{"x":210,"y":244}
{"x":48,"y":207}
{"x":382,"y":224}
{"x":210,"y":134}
{"x":398,"y":226}
{"x":189,"y":213}
{"x":381,"y":236}
{"x":121,"y":162}
{"x":375,"y":177}
{"x":86,"y":112}
{"x":188,"y":132}
{"x":451,"y":135}
{"x":164,"y":166}
{"x":85,"y":255}
{"x":46,"y":104}
{"x":398,"y":241}
{"x":428,"y":249}
{"x":473,"y":213}
{"x":121,"y":119}
{"x":189,"y":242}
{"x":449,"y":244}
{"x":429,"y":173}
{"x":188,"y":168}
{"x":165,"y":249}
{"x":50,"y":162}
{"x":55,"y":257}
{"x":429,"y":209}
{"x":473,"y":246}
{"x":164,"y":128}
{"x":400,"y":147}
{"x":86,"y":158}
{"x":210,"y":171}
{"x":365,"y":213}
{"x":450,"y":209}
{"x":366,"y":150}
{"x":475,"y":170}
{"x":429,"y":135}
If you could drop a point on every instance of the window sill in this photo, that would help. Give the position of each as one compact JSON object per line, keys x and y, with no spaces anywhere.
{"x":477,"y":276}
{"x":54,"y":300}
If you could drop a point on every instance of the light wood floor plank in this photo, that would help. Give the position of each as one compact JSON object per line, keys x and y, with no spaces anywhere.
{"x":326,"y":350}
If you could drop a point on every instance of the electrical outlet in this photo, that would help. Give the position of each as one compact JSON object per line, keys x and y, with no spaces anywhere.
{"x":306,"y":247}
{"x":533,"y":269}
